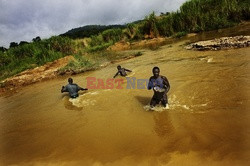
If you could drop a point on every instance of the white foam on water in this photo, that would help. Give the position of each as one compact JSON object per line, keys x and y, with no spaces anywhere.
{"x":91,"y":93}
{"x":176,"y":104}
{"x":202,"y":59}
{"x":131,"y":74}
{"x":200,"y":105}
{"x":81,"y":102}
{"x":210,"y":60}
{"x":85,"y":99}
{"x":156,"y":108}
{"x":185,"y":107}
{"x":106,"y":90}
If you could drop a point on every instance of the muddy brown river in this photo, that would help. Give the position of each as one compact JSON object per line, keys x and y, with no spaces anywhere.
{"x":208,"y":122}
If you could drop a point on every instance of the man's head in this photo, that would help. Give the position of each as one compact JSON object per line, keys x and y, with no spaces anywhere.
{"x":156,"y":71}
{"x":70,"y":80}
{"x":119,"y":67}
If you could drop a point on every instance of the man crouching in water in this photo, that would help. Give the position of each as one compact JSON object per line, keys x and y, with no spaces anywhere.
{"x":160,"y":86}
{"x":121,"y":71}
{"x":72,"y":89}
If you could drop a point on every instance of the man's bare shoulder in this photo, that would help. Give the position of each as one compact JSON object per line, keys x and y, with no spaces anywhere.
{"x":152,"y":77}
{"x":163,"y":77}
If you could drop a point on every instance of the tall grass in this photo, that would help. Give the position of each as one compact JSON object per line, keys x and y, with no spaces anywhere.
{"x":104,"y":40}
{"x":27,"y":56}
{"x":204,"y":15}
{"x":194,"y":16}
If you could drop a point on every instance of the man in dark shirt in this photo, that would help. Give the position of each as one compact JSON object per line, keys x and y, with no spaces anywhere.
{"x":72,"y":89}
{"x":121,"y":71}
{"x":160,"y":86}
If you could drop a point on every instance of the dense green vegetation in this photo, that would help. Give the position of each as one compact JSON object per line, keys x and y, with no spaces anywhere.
{"x":204,"y":15}
{"x":104,"y":40}
{"x":193,"y":16}
{"x":26,"y":56}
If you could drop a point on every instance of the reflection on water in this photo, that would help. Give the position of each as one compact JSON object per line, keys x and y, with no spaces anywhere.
{"x":207,"y":122}
{"x":163,"y":125}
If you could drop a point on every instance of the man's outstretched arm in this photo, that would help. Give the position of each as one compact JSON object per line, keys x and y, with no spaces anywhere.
{"x":128,"y":70}
{"x":150,"y":84}
{"x":116,"y":74}
{"x":80,"y":88}
{"x":166,"y":83}
{"x":64,"y":89}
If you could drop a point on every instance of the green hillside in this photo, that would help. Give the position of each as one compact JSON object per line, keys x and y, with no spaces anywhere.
{"x":89,"y":30}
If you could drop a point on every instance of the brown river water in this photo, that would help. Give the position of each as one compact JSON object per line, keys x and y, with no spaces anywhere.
{"x":208,"y":122}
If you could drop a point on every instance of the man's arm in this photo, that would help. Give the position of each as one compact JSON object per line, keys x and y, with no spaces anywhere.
{"x":128,"y":70}
{"x":80,"y":88}
{"x":166,"y":83}
{"x":150,"y":84}
{"x":116,"y":74}
{"x":64,"y":89}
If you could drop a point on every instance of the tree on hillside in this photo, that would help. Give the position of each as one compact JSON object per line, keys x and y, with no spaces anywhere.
{"x":36,"y":39}
{"x":13,"y":44}
{"x":149,"y":26}
{"x":23,"y":43}
{"x":3,"y":49}
{"x":111,"y":34}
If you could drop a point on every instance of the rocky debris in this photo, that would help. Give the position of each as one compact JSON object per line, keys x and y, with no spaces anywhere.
{"x":221,"y":43}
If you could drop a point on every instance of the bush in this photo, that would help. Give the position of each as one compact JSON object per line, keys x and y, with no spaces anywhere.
{"x":180,"y":34}
{"x":79,"y":64}
{"x":113,"y":35}
{"x":138,"y":54}
{"x":96,"y":40}
{"x":99,"y":47}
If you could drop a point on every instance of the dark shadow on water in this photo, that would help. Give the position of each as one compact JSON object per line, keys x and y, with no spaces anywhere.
{"x":69,"y":105}
{"x":143,"y":100}
{"x":67,"y":95}
{"x":64,"y":95}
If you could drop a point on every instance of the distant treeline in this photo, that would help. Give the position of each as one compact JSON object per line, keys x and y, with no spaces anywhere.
{"x":89,"y":30}
{"x":193,"y":16}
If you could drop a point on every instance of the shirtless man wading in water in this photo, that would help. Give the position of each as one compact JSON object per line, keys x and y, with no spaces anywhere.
{"x":161,"y":86}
